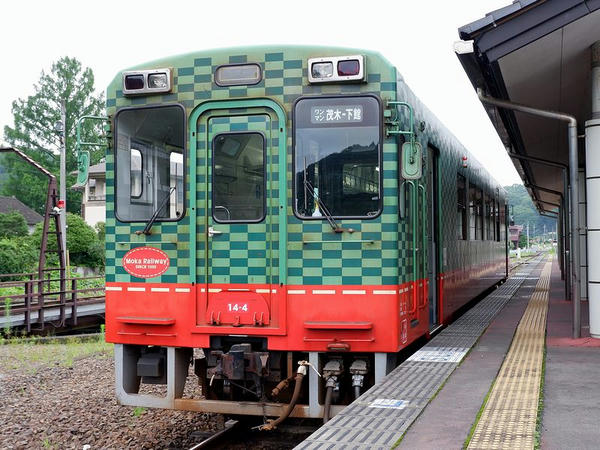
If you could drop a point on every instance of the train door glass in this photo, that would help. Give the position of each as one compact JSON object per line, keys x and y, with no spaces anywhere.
{"x":432,"y":235}
{"x":235,"y":209}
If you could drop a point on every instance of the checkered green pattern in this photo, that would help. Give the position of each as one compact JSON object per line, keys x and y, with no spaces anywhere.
{"x":377,"y":253}
{"x":460,"y":254}
{"x":243,"y":253}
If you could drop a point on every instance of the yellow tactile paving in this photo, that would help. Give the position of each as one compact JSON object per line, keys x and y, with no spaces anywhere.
{"x":509,"y":416}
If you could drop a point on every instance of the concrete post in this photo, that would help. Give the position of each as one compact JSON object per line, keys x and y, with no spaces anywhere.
{"x":592,"y":160}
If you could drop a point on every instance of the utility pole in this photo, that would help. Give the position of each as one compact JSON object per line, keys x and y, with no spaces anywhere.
{"x":527,"y":235}
{"x":63,"y":176}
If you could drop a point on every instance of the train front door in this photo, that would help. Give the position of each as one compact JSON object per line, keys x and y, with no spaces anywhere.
{"x":234,"y":216}
{"x":432,"y":173}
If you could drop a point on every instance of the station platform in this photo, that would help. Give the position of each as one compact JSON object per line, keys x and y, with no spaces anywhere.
{"x":478,"y":383}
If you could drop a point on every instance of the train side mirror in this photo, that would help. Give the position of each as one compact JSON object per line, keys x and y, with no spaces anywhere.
{"x":412,"y":161}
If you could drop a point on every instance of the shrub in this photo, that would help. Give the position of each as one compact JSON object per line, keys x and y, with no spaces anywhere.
{"x":17,"y":255}
{"x":12,"y":225}
{"x":82,"y":241}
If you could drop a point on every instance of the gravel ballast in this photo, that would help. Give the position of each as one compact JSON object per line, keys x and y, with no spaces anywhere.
{"x":62,"y":396}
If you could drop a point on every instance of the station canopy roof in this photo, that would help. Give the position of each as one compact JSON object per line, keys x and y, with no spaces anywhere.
{"x":535,"y":52}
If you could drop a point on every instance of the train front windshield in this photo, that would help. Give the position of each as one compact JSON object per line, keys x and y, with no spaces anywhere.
{"x":149,"y":163}
{"x":337,"y":157}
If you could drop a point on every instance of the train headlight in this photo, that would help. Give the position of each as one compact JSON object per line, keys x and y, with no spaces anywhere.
{"x":322,"y":70}
{"x":337,"y":69}
{"x":155,"y":81}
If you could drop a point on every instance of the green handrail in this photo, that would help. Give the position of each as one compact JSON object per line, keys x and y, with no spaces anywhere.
{"x":413,"y":224}
{"x":423,"y":228}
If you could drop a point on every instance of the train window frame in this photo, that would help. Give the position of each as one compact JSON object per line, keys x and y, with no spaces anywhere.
{"x":379,"y":154}
{"x":464,"y":232}
{"x":184,"y":156}
{"x":488,"y":216}
{"x":476,"y":204}
{"x":264,"y":183}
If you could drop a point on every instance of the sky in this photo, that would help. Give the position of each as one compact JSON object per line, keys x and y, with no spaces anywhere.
{"x":417,"y":36}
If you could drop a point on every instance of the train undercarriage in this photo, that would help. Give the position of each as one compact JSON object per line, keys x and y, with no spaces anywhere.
{"x":239,"y":376}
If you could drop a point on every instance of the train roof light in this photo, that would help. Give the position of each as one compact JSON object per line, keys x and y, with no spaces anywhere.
{"x":337,"y":69}
{"x":155,"y":81}
{"x":238,"y":74}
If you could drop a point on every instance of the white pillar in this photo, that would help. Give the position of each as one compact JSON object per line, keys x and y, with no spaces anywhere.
{"x":592,"y":163}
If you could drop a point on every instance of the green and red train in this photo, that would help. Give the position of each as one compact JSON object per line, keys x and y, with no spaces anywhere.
{"x":279,"y":207}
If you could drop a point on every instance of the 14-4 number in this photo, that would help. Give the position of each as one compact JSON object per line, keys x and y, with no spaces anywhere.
{"x":238,"y":307}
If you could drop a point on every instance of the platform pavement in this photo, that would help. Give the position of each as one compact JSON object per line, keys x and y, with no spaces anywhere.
{"x":447,"y":420}
{"x":571,"y":412}
{"x":571,"y":415}
{"x":409,"y":388}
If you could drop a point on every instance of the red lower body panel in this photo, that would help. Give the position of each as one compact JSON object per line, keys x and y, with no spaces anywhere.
{"x":294,"y":318}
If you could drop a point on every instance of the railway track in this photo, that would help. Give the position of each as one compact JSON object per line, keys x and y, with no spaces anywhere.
{"x":243,"y":434}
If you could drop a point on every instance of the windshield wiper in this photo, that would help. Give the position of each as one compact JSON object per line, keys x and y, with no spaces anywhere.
{"x":146,"y":230}
{"x":322,"y":208}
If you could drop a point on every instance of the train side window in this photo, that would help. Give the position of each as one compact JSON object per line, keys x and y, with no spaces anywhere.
{"x":149,"y":163}
{"x":472,"y":212}
{"x":136,"y":173}
{"x":238,"y":177}
{"x":480,"y":216}
{"x":475,"y":212}
{"x":489,"y":218}
{"x":503,"y":216}
{"x":496,"y":221}
{"x":461,"y":209}
{"x":176,"y":181}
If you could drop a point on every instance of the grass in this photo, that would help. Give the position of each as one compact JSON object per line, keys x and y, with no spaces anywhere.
{"x":29,"y":353}
{"x":7,"y":307}
{"x":138,"y":411}
{"x":478,"y":416}
{"x":540,"y":409}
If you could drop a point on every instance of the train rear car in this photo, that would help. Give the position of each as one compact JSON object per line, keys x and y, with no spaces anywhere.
{"x":271,"y":211}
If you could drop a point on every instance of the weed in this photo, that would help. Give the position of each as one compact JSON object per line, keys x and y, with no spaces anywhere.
{"x":540,"y":409}
{"x":33,"y":354}
{"x":138,"y":411}
{"x":7,"y":308}
{"x":478,"y":416}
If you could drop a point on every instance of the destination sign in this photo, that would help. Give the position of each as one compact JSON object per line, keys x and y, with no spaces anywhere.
{"x":336,"y":114}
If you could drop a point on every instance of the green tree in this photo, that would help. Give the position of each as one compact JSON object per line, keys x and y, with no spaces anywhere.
{"x":101,"y":230}
{"x":523,"y":211}
{"x":12,"y":224}
{"x":522,"y":240}
{"x":82,"y":242}
{"x":17,"y":255}
{"x":34,"y":132}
